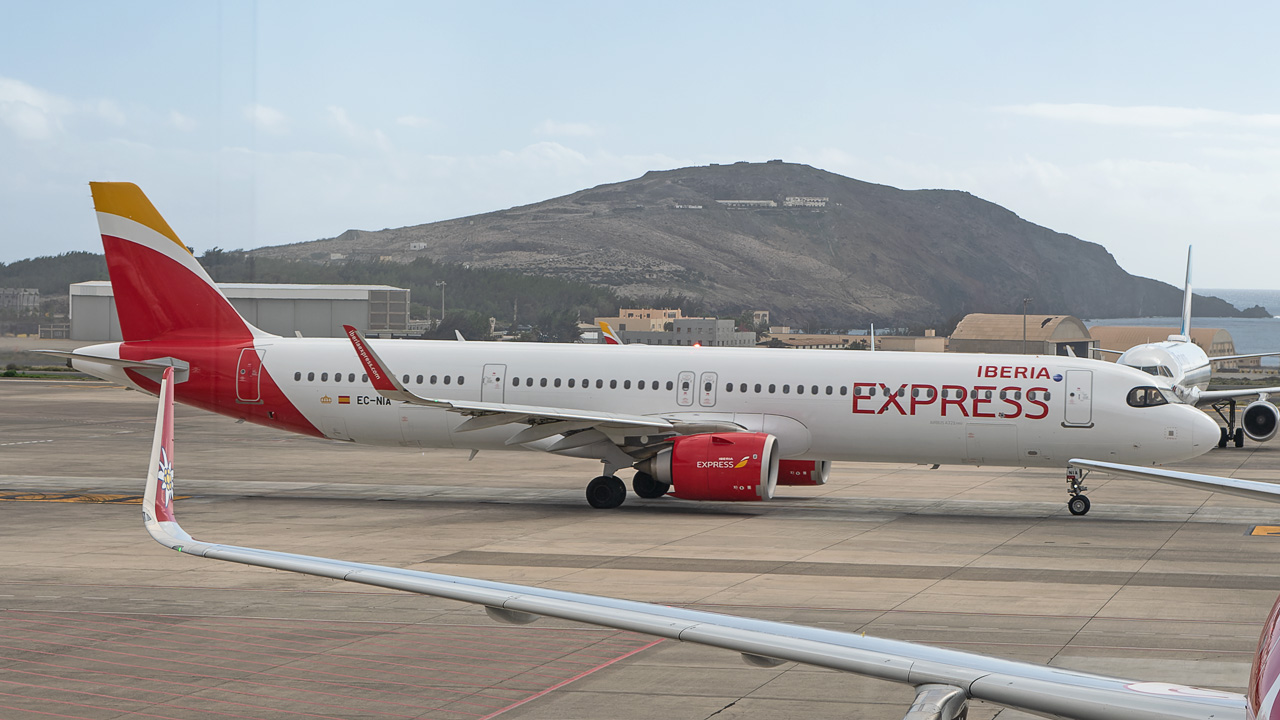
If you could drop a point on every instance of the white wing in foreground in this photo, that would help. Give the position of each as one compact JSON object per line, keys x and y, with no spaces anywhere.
{"x":945,"y":679}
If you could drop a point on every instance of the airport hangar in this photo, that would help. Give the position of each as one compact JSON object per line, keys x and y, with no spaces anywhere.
{"x":283,"y":309}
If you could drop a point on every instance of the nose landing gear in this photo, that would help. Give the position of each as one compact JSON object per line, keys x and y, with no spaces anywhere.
{"x":1077,"y":503}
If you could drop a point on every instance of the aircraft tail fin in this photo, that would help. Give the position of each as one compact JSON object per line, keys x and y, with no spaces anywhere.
{"x":160,"y":289}
{"x":610,"y":337}
{"x":1266,"y":661}
{"x":1185,"y":330}
{"x":157,"y":498}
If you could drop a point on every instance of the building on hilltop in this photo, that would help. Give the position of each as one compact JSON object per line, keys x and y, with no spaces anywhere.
{"x":802,"y":201}
{"x":20,"y":299}
{"x":748,"y":204}
{"x":1044,"y":335}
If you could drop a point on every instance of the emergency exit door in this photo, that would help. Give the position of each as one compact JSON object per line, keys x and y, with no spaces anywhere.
{"x":1079,"y":388}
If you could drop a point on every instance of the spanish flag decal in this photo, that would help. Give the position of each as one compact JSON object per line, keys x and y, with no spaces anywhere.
{"x":344,"y":399}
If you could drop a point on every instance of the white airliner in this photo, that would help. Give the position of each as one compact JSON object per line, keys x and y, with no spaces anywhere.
{"x":1187,"y":369}
{"x":701,"y":423}
{"x":945,"y":680}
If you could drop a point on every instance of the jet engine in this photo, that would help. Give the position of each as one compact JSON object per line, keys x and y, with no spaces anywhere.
{"x":717,"y":466}
{"x":803,"y":472}
{"x":1260,"y":420}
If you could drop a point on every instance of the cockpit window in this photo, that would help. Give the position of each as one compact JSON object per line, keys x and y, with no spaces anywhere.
{"x":1150,"y":369}
{"x":1146,"y":397}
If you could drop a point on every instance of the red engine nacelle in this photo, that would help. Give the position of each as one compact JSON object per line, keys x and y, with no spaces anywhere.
{"x":1260,"y":420}
{"x":803,"y":472}
{"x":718,"y":466}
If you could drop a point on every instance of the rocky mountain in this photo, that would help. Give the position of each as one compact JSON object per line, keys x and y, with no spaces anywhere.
{"x":816,"y":248}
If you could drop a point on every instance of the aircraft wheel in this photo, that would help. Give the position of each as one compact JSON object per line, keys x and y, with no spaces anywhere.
{"x":1078,"y":505}
{"x":606,"y":492}
{"x":1223,"y":437}
{"x":1239,"y":437}
{"x":647,"y":487}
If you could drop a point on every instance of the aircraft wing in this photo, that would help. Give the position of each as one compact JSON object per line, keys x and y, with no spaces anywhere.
{"x":1224,"y":358}
{"x":1208,"y":396}
{"x":945,"y":679}
{"x":488,"y":414}
{"x":1254,"y":489}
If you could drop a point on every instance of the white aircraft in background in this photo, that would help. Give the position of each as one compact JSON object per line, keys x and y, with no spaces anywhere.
{"x":1188,"y":368}
{"x":945,"y":680}
{"x":702,"y":423}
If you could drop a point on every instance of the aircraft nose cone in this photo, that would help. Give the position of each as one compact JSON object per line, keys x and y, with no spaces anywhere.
{"x":1204,"y":429}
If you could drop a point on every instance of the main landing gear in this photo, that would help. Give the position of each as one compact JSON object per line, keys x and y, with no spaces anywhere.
{"x":1230,"y":433}
{"x":607,"y":491}
{"x":1077,"y":503}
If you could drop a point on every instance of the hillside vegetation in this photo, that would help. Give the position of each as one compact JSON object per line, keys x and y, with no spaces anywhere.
{"x":871,"y":253}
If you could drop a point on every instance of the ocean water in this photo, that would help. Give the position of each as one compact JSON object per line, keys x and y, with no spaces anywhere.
{"x":1250,"y":334}
{"x":1245,"y":299}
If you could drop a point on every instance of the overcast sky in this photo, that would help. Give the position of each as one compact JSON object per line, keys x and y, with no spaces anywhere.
{"x":1144,"y":127}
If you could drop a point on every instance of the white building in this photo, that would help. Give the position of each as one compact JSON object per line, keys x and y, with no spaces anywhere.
{"x":313,"y":310}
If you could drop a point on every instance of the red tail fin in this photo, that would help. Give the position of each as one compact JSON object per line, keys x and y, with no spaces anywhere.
{"x":161,"y":292}
{"x":1263,"y":697}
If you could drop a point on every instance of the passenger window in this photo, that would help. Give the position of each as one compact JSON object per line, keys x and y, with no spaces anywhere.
{"x":297,"y":376}
{"x":446,"y":379}
{"x":570,"y":382}
{"x":829,"y":389}
{"x":987,"y":395}
{"x":654,"y":385}
{"x":586,"y":383}
{"x":799,"y":389}
{"x":640,"y":385}
{"x":844,"y":390}
{"x":670,"y":385}
{"x":461,"y":379}
{"x":419,"y":379}
{"x":772,"y":388}
{"x":786,"y":389}
{"x":902,"y":392}
{"x":613,"y":384}
{"x":599,"y":384}
{"x":973,"y":394}
{"x":405,"y":380}
{"x":1017,"y":394}
{"x":742,"y":387}
{"x":433,"y":379}
{"x":626,"y":384}
{"x":324,"y":377}
{"x":1046,"y":394}
{"x":556,"y":382}
{"x":915,"y":392}
{"x":757,"y":387}
{"x":542,"y":382}
{"x":728,"y":387}
{"x":814,"y":390}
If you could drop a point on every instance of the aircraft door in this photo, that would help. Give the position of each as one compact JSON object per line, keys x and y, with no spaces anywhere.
{"x":707,"y":390}
{"x":684,"y":389}
{"x":492,"y":388}
{"x":249,"y":376}
{"x":1079,"y":412}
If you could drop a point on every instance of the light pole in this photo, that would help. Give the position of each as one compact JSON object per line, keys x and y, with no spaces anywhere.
{"x":440,"y":284}
{"x":1024,"y":324}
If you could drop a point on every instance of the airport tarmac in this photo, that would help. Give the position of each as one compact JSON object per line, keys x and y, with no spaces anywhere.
{"x":98,"y":621}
